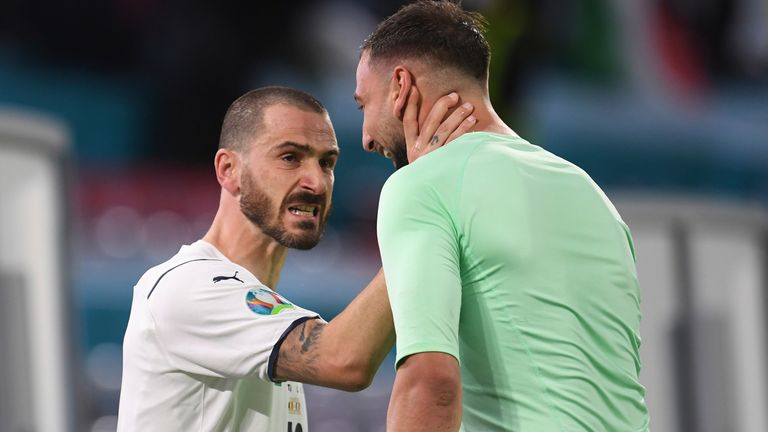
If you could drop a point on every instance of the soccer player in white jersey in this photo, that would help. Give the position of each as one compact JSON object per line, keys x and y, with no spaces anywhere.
{"x":210,"y":346}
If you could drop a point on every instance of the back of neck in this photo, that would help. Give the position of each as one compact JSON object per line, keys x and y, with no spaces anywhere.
{"x":487,"y":119}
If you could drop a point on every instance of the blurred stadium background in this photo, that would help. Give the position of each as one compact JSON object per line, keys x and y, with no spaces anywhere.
{"x":109,"y":118}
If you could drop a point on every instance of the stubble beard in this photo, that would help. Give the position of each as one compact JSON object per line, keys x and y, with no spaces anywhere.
{"x":257,"y":206}
{"x":399,"y":150}
{"x":400,"y":154}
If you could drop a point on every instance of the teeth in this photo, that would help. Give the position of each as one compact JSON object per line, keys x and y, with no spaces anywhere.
{"x":302,"y":210}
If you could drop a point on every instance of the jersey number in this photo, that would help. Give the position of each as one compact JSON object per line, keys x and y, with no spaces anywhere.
{"x":298,"y":427}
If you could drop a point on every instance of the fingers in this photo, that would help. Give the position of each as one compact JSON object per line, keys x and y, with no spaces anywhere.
{"x":427,"y":133}
{"x":458,"y":123}
{"x":438,"y":128}
{"x":463,"y":128}
{"x":410,"y":117}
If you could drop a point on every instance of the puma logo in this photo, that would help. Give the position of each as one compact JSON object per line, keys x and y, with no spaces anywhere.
{"x":222,"y":278}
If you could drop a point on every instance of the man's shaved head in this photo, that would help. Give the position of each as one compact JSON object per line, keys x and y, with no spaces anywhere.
{"x":244,"y":118}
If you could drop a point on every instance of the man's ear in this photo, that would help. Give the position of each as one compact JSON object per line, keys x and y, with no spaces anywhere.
{"x":227,"y":164}
{"x":402,"y":81}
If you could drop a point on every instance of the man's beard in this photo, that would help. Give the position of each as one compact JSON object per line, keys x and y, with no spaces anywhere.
{"x":399,"y":149}
{"x":400,"y":154}
{"x":257,"y":206}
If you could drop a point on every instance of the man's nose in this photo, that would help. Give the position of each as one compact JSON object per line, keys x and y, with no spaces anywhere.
{"x":367,"y":142}
{"x":313,"y":178}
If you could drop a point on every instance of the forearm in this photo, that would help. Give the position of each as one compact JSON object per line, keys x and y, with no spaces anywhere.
{"x":346,"y":352}
{"x":364,"y":333}
{"x":426,"y":397}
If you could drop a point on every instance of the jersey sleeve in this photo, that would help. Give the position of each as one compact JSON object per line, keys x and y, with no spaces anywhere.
{"x":419,"y":251}
{"x":211,"y":324}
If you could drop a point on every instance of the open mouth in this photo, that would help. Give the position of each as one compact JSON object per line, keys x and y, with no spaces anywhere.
{"x":304,"y":210}
{"x":384,"y":152}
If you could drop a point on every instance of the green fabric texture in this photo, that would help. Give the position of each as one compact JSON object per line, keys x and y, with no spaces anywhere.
{"x":513,"y":260}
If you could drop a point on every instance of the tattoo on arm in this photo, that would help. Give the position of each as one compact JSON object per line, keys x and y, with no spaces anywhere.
{"x":308,"y":340}
{"x":297,"y":359}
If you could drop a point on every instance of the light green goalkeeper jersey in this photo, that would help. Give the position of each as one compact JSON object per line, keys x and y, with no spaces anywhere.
{"x":513,"y":260}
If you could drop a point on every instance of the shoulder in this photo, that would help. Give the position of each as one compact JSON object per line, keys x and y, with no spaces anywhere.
{"x":193,"y":271}
{"x":421,"y":177}
{"x":159,"y":272}
{"x":206,"y":273}
{"x":443,"y":168}
{"x":409,"y":188}
{"x":207,"y":290}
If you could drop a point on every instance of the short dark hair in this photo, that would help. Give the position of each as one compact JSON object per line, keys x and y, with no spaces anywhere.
{"x":245,"y":117}
{"x":440,"y":31}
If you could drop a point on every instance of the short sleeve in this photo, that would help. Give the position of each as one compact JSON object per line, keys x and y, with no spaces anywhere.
{"x":215,"y":318}
{"x":419,"y":250}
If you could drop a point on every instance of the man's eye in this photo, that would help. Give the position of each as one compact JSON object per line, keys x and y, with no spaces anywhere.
{"x":289,"y":157}
{"x":327,"y":163}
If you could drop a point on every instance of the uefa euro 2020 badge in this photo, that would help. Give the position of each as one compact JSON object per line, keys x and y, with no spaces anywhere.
{"x":266,"y":302}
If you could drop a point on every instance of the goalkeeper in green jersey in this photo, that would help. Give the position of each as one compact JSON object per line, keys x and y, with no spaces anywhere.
{"x":510,"y":274}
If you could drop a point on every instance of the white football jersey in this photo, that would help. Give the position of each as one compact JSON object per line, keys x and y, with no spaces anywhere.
{"x":200,"y":349}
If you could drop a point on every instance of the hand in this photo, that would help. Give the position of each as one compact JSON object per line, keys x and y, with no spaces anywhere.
{"x":437,"y":129}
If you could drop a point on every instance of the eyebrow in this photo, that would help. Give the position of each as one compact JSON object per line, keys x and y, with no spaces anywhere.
{"x":304,"y":148}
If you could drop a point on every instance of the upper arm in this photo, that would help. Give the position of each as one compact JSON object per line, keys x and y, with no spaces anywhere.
{"x":426,"y":394}
{"x":434,"y":378}
{"x":311,"y":355}
{"x":436,"y":371}
{"x":420,"y":254}
{"x":298,"y":356}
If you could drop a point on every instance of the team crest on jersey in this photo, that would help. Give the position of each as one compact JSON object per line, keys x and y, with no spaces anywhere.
{"x":266,"y":302}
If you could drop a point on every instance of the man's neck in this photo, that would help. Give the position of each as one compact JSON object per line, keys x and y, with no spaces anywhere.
{"x":487,"y":119}
{"x":244,"y":244}
{"x":433,"y":86}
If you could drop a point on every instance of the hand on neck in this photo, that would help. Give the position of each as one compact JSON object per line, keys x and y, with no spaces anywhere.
{"x":487,"y":118}
{"x":469,"y":91}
